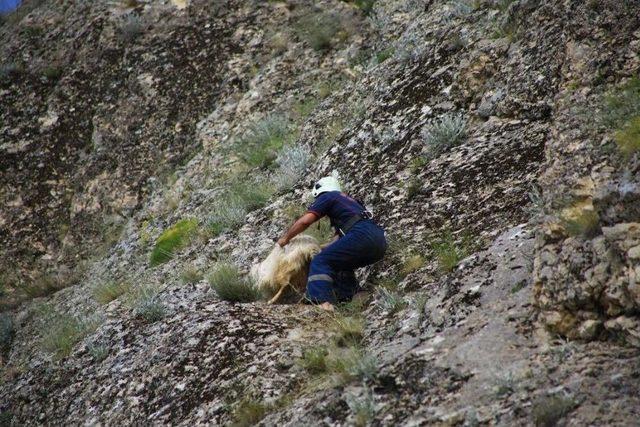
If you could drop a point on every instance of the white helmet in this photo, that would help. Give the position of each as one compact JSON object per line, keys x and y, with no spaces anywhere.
{"x":328,"y":183}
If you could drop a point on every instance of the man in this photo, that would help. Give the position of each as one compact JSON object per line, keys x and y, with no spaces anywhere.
{"x":359,"y":242}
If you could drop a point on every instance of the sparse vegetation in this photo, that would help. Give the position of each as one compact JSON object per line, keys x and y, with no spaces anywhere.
{"x":10,"y":70}
{"x":347,"y":330}
{"x":292,"y":162}
{"x":448,"y":252}
{"x":319,"y":29}
{"x":443,"y":133}
{"x":231,"y":209}
{"x":628,"y":138}
{"x":411,"y":263}
{"x":315,"y":360}
{"x":390,"y":301}
{"x":621,"y":104}
{"x":61,"y":332}
{"x":131,"y":28}
{"x":229,"y":285}
{"x":98,"y":352}
{"x":146,"y":304}
{"x":172,"y":239}
{"x":108,"y":291}
{"x":384,"y":54}
{"x":548,"y":410}
{"x":259,"y":145}
{"x":191,"y":274}
{"x":355,"y":364}
{"x":249,"y":412}
{"x":7,"y":333}
{"x":52,"y":72}
{"x":362,"y":407}
{"x":580,"y":220}
{"x":419,"y":305}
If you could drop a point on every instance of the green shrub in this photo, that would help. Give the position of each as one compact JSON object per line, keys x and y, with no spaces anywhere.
{"x":448,"y":252}
{"x":109,"y":291}
{"x":363,"y":408}
{"x":191,"y":274}
{"x":249,"y":412}
{"x":229,"y":285}
{"x":580,"y":220}
{"x":390,"y":301}
{"x":621,"y":104}
{"x":319,"y":29}
{"x":231,"y":209}
{"x":52,"y":72}
{"x":347,"y":330}
{"x":10,"y":70}
{"x":366,"y":6}
{"x":172,"y":239}
{"x":259,"y":145}
{"x":61,"y":332}
{"x":292,"y":162}
{"x":384,"y":54}
{"x":628,"y":138}
{"x":7,"y":333}
{"x":98,"y":352}
{"x":355,"y":364}
{"x":131,"y":28}
{"x":412,"y":262}
{"x":446,"y":132}
{"x":315,"y":360}
{"x":146,"y":304}
{"x":548,"y":410}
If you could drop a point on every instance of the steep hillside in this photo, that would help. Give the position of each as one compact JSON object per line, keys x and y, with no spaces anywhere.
{"x":496,"y":141}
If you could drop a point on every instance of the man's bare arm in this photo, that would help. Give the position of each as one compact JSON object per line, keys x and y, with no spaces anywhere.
{"x":298,"y":227}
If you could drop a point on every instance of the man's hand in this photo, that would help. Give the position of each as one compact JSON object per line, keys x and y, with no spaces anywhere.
{"x":327,"y":306}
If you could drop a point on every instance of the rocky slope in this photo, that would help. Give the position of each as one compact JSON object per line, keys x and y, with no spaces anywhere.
{"x":533,"y":322}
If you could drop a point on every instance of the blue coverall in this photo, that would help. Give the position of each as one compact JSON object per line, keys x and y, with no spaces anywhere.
{"x":331,"y":276}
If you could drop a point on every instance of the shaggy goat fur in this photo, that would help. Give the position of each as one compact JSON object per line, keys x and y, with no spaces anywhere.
{"x":286,"y":267}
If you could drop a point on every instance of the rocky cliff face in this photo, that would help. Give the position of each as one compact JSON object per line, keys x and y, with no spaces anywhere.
{"x":490,"y":138}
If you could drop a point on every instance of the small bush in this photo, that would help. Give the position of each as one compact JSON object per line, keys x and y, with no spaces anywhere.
{"x":355,"y":364}
{"x":229,"y":285}
{"x":259,"y":145}
{"x":109,"y":291}
{"x":231,"y":209}
{"x":131,"y":28}
{"x":11,"y":70}
{"x":366,"y":6}
{"x":580,"y":221}
{"x":446,"y":132}
{"x":363,"y":408}
{"x":548,"y":410}
{"x":319,"y":29}
{"x":63,"y":332}
{"x":413,"y":262}
{"x":621,"y":104}
{"x":384,"y":54}
{"x":249,"y":413}
{"x":191,"y":274}
{"x":7,"y":333}
{"x":172,"y":239}
{"x":390,"y":301}
{"x":628,"y":139}
{"x":52,"y":72}
{"x":292,"y":162}
{"x":314,"y":360}
{"x":448,"y":252}
{"x":146,"y":304}
{"x":98,"y":352}
{"x":348,"y":330}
